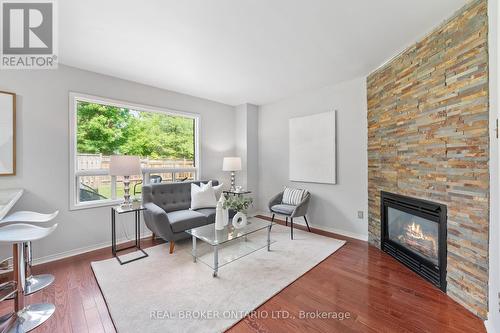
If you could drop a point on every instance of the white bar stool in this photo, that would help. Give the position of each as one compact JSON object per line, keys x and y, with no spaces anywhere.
{"x":31,"y":316}
{"x":31,"y":217}
{"x":31,"y":283}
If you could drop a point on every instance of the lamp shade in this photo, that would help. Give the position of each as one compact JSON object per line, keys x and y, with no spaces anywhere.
{"x":231,"y":164}
{"x":122,"y":165}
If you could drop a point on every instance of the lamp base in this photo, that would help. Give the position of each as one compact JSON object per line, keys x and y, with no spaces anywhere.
{"x":233,"y":176}
{"x":126,"y":192}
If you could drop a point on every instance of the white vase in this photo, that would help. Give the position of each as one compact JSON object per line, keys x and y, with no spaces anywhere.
{"x":239,"y":220}
{"x":219,"y":217}
{"x":225,"y":212}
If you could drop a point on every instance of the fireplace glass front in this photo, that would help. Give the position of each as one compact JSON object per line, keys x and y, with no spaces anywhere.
{"x":415,"y":233}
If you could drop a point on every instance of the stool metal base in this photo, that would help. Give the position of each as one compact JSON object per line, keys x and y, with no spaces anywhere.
{"x":37,"y":282}
{"x":31,"y":317}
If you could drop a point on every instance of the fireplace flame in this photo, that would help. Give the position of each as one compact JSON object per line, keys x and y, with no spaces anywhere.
{"x":415,"y":230}
{"x":416,"y":238}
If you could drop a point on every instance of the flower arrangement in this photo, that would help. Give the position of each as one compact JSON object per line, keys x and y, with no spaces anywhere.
{"x":238,"y":203}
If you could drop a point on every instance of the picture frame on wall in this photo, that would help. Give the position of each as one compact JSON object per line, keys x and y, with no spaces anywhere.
{"x":313,"y":148}
{"x":7,"y":133}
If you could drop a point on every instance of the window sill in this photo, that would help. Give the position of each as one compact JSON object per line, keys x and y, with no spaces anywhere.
{"x":97,"y":204}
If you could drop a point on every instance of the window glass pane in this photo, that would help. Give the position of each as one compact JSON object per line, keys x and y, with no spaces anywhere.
{"x":184,"y":176}
{"x":161,"y":177}
{"x":162,"y":140}
{"x":135,"y":187}
{"x":93,"y":188}
{"x":167,"y":163}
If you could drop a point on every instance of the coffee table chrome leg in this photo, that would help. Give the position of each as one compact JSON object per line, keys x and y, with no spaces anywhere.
{"x":194,"y":249}
{"x":216,"y":260}
{"x":269,"y":238}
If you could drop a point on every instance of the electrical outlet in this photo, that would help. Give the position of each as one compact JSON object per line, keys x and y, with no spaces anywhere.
{"x":360,"y":214}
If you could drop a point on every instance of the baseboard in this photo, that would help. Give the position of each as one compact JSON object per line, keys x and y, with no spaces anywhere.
{"x":81,"y":250}
{"x":85,"y":249}
{"x":90,"y":248}
{"x":325,"y":228}
{"x":489,"y":326}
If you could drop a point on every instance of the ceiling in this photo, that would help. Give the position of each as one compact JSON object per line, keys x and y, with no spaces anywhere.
{"x":238,"y":51}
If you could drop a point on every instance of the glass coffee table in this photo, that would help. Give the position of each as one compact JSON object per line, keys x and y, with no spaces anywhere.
{"x":237,"y":242}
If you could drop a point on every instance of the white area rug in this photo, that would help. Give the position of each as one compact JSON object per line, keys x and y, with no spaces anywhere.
{"x":170,"y":293}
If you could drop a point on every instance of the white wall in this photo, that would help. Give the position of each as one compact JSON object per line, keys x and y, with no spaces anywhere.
{"x":240,"y":132}
{"x":493,"y":322}
{"x":253,"y":151}
{"x":43,"y":146}
{"x":333,"y":207}
{"x":246,"y":134}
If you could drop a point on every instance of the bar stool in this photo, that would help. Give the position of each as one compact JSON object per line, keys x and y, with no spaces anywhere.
{"x":31,"y":283}
{"x":25,"y":318}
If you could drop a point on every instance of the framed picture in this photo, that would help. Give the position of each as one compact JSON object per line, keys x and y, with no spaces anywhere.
{"x":313,"y":148}
{"x":7,"y":133}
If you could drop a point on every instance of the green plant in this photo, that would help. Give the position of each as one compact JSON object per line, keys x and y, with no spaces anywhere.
{"x":238,"y":203}
{"x":108,"y":130}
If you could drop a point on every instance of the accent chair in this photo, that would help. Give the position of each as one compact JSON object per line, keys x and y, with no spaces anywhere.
{"x":277,"y":207}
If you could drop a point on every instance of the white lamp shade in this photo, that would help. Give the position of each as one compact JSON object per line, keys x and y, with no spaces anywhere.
{"x":122,"y":165}
{"x":231,"y":164}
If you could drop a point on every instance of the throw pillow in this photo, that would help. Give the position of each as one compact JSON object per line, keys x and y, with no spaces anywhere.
{"x":293,"y":196}
{"x":218,"y":191}
{"x":203,"y":196}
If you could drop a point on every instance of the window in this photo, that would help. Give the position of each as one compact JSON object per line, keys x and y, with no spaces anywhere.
{"x":166,"y":141}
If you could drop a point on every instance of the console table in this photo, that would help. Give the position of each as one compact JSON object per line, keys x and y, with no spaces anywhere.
{"x":135,"y":208}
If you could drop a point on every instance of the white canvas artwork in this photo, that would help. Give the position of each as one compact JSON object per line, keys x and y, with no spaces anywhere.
{"x":313,"y":148}
{"x":7,"y":142}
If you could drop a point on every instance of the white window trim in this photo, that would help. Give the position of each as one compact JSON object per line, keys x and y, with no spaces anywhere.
{"x":74,"y":97}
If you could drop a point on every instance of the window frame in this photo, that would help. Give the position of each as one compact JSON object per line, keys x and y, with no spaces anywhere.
{"x":74,"y":174}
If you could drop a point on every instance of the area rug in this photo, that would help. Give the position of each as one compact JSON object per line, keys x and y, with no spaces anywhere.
{"x":171,"y":293}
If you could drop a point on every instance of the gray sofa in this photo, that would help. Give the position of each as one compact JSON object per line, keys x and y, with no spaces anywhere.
{"x":167,"y":212}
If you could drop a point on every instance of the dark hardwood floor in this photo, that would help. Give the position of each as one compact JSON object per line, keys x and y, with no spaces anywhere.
{"x":359,"y":281}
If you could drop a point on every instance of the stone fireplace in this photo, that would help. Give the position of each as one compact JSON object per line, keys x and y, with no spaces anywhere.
{"x":414,"y":232}
{"x":428,"y":139}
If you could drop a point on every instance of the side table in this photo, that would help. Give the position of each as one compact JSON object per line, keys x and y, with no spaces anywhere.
{"x":236,"y":193}
{"x":135,"y":208}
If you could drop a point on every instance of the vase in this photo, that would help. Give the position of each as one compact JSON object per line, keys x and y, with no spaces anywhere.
{"x":225,"y":211}
{"x":239,"y":220}
{"x":219,"y":216}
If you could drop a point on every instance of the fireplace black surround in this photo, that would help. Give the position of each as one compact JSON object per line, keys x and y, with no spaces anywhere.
{"x":414,"y":232}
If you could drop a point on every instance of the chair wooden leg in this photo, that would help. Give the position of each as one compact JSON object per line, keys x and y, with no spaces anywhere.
{"x":307,"y":223}
{"x":172,"y":244}
{"x":286,"y":221}
{"x":291,"y":229}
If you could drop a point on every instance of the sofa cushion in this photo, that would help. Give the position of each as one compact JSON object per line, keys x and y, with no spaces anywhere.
{"x":209,"y":213}
{"x":202,"y":196}
{"x":293,"y":196}
{"x":181,"y":220}
{"x":283,"y":209}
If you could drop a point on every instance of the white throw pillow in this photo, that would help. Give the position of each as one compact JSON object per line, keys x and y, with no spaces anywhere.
{"x":293,"y":196}
{"x":218,"y":191}
{"x":203,"y":196}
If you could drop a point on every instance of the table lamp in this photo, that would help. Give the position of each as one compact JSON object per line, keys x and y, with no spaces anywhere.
{"x":232,"y":164}
{"x":126,"y":166}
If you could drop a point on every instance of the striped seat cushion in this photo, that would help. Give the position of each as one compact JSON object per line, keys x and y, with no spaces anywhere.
{"x":293,"y":196}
